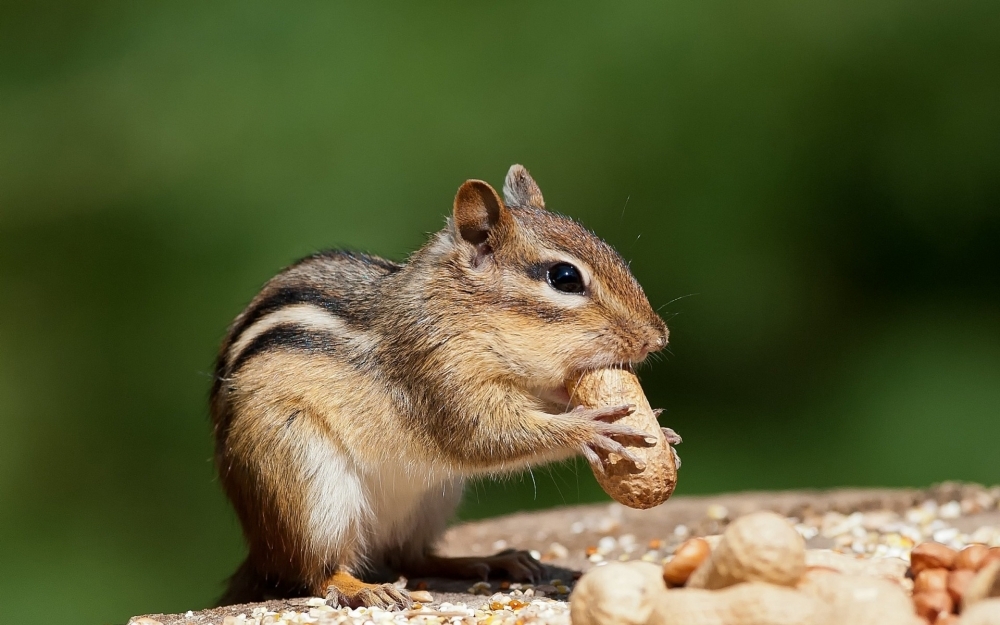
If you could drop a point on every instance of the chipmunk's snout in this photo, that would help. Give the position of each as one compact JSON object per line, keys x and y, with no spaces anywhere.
{"x":651,"y":339}
{"x":656,"y":343}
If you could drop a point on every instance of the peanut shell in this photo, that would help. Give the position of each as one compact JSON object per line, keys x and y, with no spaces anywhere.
{"x":753,"y":603}
{"x":861,"y":599}
{"x":626,"y":484}
{"x":616,"y":594}
{"x":757,"y":547}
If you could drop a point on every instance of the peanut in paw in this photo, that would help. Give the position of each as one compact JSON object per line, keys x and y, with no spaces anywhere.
{"x":641,"y":477}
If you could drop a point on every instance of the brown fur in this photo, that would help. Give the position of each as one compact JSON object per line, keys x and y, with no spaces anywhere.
{"x":350,"y":380}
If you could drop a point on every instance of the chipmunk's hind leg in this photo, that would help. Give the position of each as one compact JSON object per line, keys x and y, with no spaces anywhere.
{"x":518,"y":565}
{"x":344,"y":590}
{"x":249,"y":585}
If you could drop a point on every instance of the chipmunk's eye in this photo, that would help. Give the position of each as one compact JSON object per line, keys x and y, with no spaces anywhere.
{"x":566,"y":278}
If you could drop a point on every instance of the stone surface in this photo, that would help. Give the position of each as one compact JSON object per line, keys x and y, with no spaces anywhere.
{"x":576,"y":539}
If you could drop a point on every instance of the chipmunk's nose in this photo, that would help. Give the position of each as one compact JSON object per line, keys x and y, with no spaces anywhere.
{"x":656,"y":339}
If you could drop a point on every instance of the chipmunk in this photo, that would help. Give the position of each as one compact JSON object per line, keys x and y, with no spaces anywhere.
{"x":354,"y":394}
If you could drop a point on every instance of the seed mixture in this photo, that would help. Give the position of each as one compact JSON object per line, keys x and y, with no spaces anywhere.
{"x":874,"y":528}
{"x":504,"y":609}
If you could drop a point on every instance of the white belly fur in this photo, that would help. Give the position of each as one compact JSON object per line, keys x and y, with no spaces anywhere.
{"x":357,"y":513}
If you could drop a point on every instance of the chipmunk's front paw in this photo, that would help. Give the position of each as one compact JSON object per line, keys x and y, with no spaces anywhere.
{"x":604,"y":445}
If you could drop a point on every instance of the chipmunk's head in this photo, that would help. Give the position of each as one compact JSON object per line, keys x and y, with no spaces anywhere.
{"x":555,"y":299}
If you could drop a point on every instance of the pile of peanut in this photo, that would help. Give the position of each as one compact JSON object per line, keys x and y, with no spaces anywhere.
{"x":759,"y":572}
{"x":947,"y":582}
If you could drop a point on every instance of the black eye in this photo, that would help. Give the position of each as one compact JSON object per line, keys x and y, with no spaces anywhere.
{"x":566,"y":278}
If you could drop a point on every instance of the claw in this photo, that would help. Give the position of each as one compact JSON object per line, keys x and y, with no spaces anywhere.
{"x":611,"y":446}
{"x":517,"y":565}
{"x":384,"y":596}
{"x":672,"y":437}
{"x":592,"y":458}
{"x":608,"y":412}
{"x":483,"y":570}
{"x":616,"y":429}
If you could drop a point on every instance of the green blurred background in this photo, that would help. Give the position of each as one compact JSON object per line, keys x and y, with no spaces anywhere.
{"x":811,"y":190}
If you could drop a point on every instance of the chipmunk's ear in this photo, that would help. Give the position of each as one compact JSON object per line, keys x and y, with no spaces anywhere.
{"x":520,"y":189}
{"x":478,"y":208}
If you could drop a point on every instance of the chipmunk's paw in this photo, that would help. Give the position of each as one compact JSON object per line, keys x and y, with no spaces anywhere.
{"x":345,"y":590}
{"x":517,"y":565}
{"x":606,"y":438}
{"x":520,"y":566}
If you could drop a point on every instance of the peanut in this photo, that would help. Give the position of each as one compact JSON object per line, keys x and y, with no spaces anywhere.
{"x":859,"y":599}
{"x":754,"y":603}
{"x":932,"y":604}
{"x":887,"y":567}
{"x":758,"y":547}
{"x":688,"y":556}
{"x":985,"y":585}
{"x":972,"y":557}
{"x":991,"y":555}
{"x":958,"y":582}
{"x":616,"y":594}
{"x":653,"y":484}
{"x":931,"y":556}
{"x":983,"y":613}
{"x":931,"y":580}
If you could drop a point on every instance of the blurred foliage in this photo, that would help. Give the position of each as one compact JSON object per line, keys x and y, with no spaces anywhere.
{"x":809,"y":190}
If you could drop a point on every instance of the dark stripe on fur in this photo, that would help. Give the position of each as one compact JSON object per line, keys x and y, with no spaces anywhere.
{"x":288,"y":296}
{"x":306,"y":293}
{"x":287,"y":337}
{"x":304,"y":284}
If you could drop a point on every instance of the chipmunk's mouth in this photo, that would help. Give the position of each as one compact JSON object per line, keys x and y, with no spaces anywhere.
{"x":558,"y":396}
{"x":622,"y":365}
